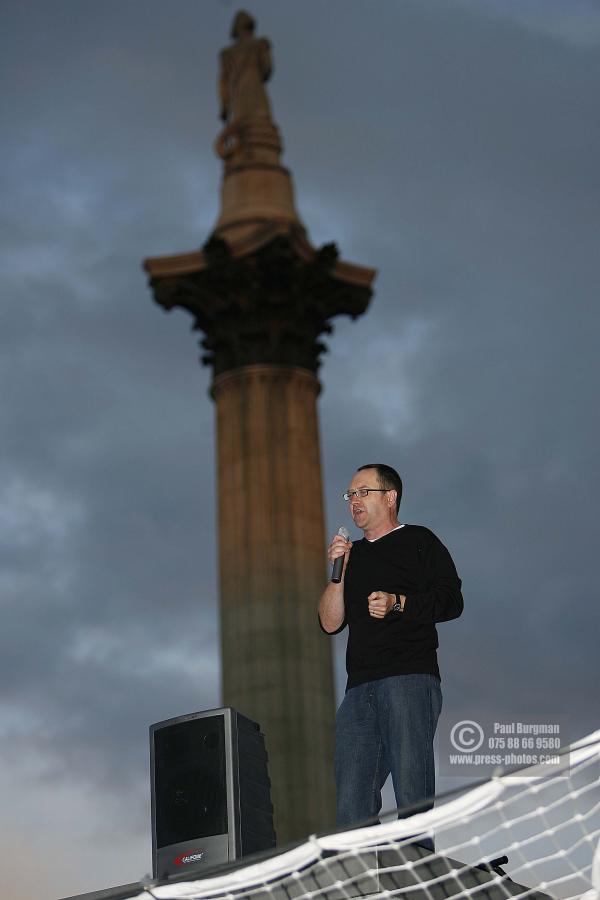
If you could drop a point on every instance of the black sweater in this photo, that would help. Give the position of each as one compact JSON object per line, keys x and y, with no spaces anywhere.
{"x":410,"y":561}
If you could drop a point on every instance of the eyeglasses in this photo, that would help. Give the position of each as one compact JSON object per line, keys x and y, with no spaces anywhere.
{"x":362,"y":492}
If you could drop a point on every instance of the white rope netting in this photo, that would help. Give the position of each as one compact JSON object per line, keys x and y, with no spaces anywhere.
{"x":547,"y":824}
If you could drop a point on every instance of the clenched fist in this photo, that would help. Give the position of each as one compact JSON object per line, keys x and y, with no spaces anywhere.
{"x":380,"y":603}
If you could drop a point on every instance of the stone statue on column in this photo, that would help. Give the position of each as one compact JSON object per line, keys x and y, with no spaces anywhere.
{"x":244,"y":68}
{"x":256,"y":189}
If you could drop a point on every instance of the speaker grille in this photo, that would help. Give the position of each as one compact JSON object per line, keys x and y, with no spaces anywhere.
{"x":191,"y":793}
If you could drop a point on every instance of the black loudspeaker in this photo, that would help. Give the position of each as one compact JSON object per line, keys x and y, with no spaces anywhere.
{"x":210,"y":788}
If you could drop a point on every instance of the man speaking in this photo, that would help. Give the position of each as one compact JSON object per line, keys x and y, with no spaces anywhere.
{"x":396,"y":583}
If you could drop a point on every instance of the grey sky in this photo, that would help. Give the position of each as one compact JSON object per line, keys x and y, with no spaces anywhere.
{"x":454,"y":146}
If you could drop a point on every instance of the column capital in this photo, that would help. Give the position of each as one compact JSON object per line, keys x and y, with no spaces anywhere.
{"x":270,"y":305}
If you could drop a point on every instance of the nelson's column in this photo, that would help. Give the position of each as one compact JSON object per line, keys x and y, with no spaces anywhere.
{"x":262,"y":295}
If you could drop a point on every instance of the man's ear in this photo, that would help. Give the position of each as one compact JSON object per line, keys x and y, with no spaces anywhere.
{"x":392,"y":495}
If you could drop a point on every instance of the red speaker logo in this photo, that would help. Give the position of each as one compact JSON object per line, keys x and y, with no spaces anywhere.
{"x":190,"y":857}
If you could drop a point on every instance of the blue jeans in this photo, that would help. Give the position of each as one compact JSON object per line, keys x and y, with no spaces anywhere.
{"x":381,"y":727}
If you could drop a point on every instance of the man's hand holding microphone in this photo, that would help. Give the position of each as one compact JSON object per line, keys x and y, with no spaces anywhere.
{"x":331,"y":606}
{"x":337,"y":553}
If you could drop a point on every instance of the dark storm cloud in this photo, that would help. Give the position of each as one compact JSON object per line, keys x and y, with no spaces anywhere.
{"x":475,"y":370}
{"x":452,"y":146}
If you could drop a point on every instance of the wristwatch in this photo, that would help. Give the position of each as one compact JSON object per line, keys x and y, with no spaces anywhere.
{"x":398,"y":607}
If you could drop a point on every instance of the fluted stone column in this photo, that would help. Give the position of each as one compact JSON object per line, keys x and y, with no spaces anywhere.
{"x":262,"y":313}
{"x":276,"y":662}
{"x":263,"y":296}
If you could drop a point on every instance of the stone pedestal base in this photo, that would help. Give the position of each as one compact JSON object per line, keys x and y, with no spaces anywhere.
{"x":256,"y":188}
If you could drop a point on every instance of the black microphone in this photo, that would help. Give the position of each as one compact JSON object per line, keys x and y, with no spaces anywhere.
{"x":338,"y":564}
